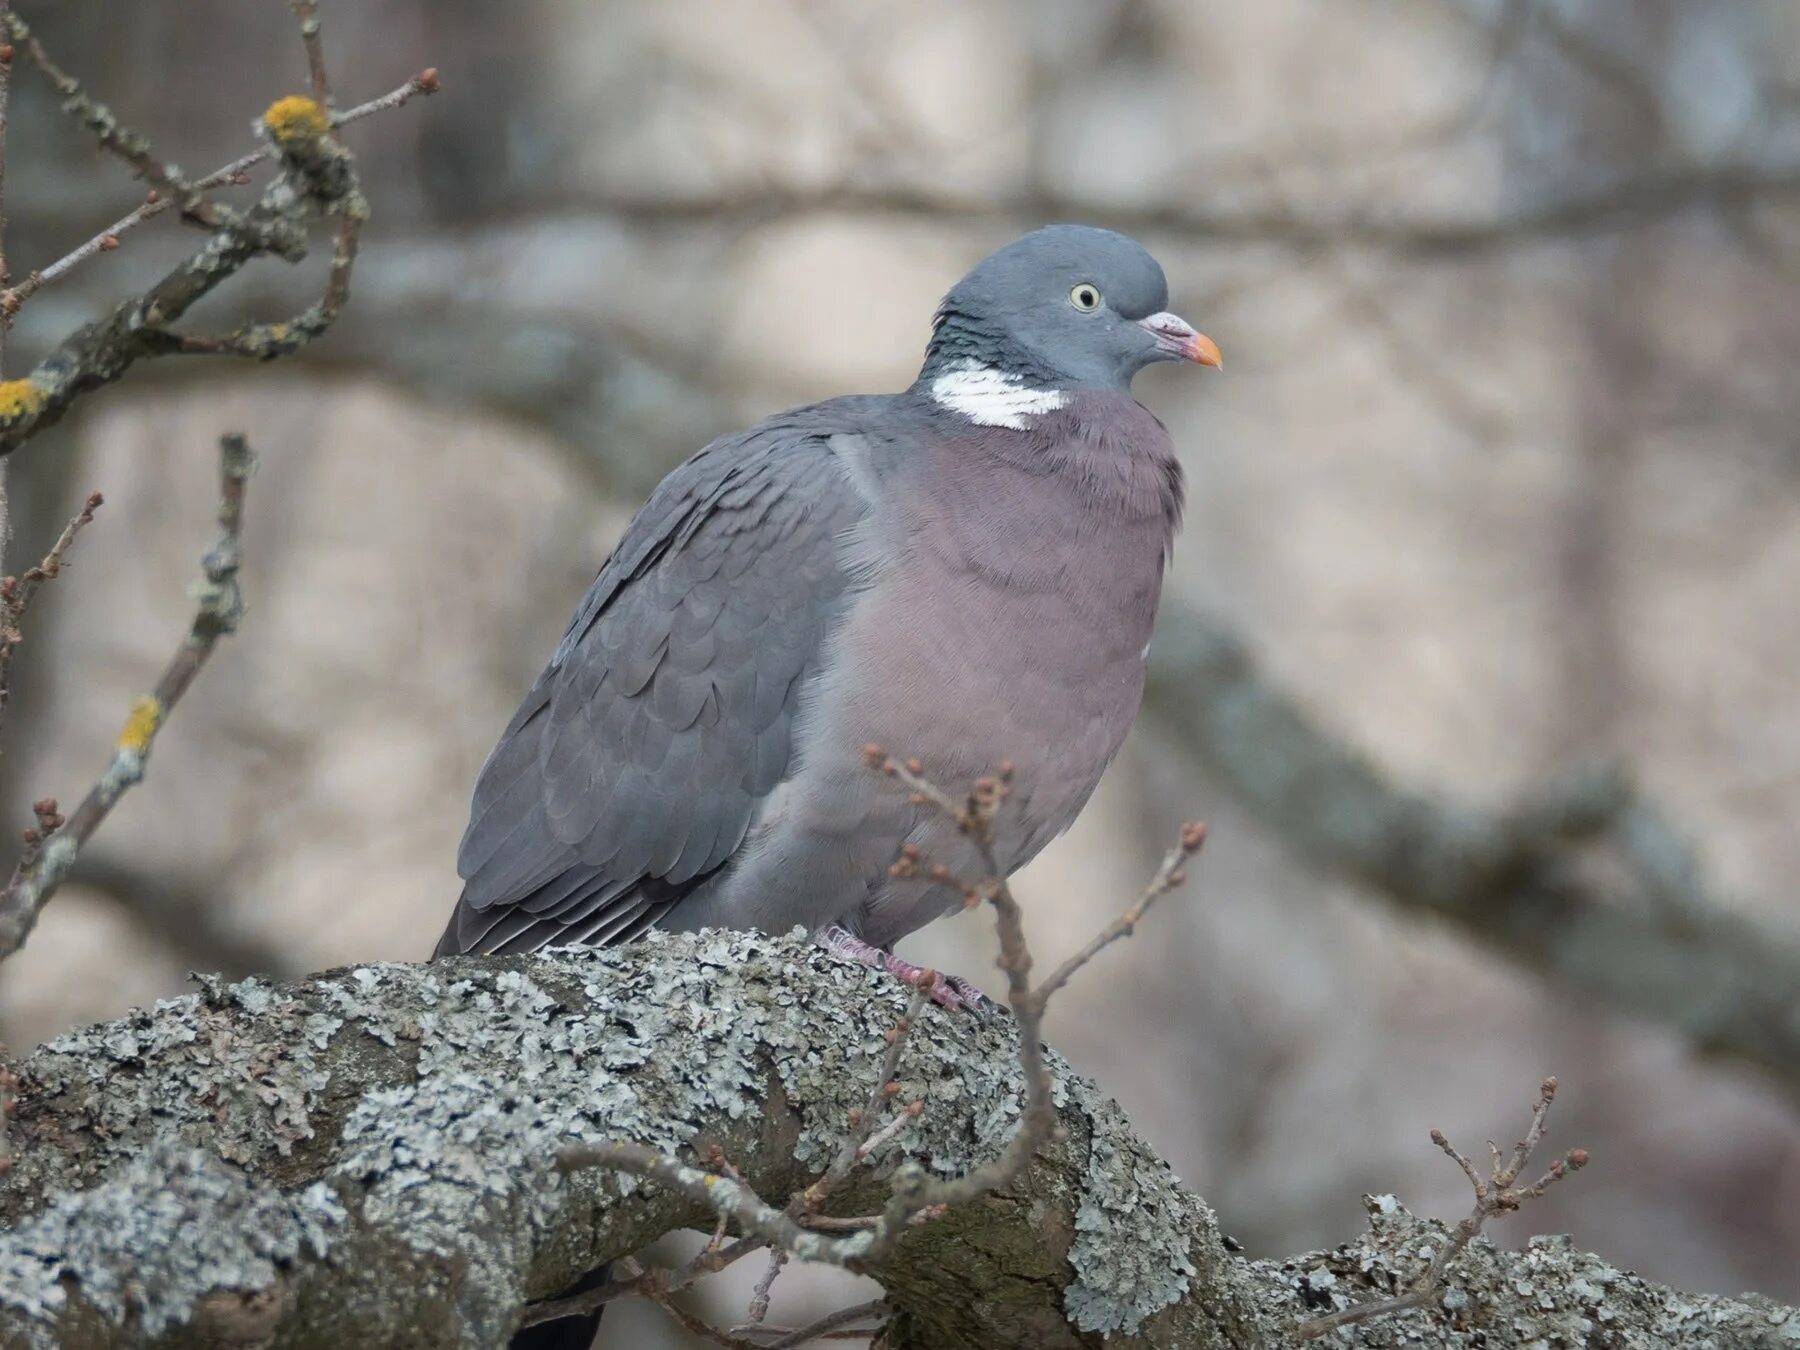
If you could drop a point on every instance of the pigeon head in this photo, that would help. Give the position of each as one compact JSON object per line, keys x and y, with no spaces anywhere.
{"x":1066,"y":307}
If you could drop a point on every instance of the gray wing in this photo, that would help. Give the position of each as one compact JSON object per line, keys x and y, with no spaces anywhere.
{"x":634,"y":767}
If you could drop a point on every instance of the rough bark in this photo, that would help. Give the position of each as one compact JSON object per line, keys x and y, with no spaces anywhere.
{"x":364,"y":1157}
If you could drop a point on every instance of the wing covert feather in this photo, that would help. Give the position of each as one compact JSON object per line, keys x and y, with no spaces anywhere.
{"x":635,"y":765}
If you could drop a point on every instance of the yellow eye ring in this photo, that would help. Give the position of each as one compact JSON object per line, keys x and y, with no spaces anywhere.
{"x":1085,"y":297}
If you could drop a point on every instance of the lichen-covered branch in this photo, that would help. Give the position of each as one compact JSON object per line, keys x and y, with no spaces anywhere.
{"x":1511,"y":878}
{"x":368,"y":1156}
{"x":318,"y":178}
{"x":914,"y":1196}
{"x":234,"y":174}
{"x":1496,"y":1194}
{"x":52,"y":845}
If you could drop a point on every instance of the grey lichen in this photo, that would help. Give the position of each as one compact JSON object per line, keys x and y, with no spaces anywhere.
{"x":366,"y":1156}
{"x":1134,"y":1229}
{"x":1550,"y":1293}
{"x":214,"y":1071}
{"x":132,"y":1247}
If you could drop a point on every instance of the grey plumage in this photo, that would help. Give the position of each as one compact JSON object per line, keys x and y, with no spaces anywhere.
{"x":966,"y":572}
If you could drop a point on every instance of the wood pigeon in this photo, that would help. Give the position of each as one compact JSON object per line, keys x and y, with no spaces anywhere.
{"x":965,"y":573}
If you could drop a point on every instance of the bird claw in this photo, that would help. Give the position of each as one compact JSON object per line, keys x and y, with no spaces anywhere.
{"x":959,"y":995}
{"x":952,"y":992}
{"x":947,"y":991}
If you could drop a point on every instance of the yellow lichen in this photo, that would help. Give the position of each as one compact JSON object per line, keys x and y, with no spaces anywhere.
{"x":19,"y":398}
{"x":140,"y":727}
{"x":296,"y":119}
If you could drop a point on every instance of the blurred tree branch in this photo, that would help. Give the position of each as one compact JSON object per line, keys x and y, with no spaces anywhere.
{"x":1632,"y":203}
{"x":1514,"y":880}
{"x":191,"y":917}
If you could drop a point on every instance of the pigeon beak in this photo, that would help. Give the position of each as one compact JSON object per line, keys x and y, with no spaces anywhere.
{"x":1175,"y":336}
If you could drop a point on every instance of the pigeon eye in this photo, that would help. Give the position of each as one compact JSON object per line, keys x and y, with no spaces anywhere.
{"x":1085,"y":297}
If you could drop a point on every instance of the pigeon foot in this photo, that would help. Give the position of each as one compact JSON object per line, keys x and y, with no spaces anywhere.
{"x":947,"y":991}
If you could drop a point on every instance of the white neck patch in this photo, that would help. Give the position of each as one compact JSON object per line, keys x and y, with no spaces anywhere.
{"x":992,"y":398}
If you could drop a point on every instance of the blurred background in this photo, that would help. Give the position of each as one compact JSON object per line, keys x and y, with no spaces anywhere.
{"x":1502,"y":476}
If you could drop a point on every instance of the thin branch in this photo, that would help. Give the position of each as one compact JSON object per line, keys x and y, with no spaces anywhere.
{"x":759,"y":1295}
{"x":113,"y":135}
{"x":235,"y":173}
{"x":721,"y":1194}
{"x":1495,"y":1194}
{"x":827,"y":1327}
{"x":307,"y":12}
{"x":913,"y":1192}
{"x":16,"y":593}
{"x":710,"y":1260}
{"x":1169,"y":876}
{"x":47,"y":859}
{"x":318,"y":177}
{"x":698,"y":1326}
{"x":858,"y":1143}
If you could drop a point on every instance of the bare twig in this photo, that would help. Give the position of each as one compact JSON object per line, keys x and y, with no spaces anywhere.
{"x":698,"y":1326}
{"x":759,"y":1296}
{"x":1169,"y":876}
{"x":1496,"y":1194}
{"x":796,"y":1229}
{"x":864,"y":1136}
{"x":831,"y":1326}
{"x":710,"y":1260}
{"x":307,"y":12}
{"x":53,"y":851}
{"x":113,"y":135}
{"x":721,"y":1194}
{"x":859,"y":1142}
{"x":16,"y":592}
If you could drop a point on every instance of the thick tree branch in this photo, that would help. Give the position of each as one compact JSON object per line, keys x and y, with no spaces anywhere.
{"x":1514,"y":879}
{"x":367,"y":1156}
